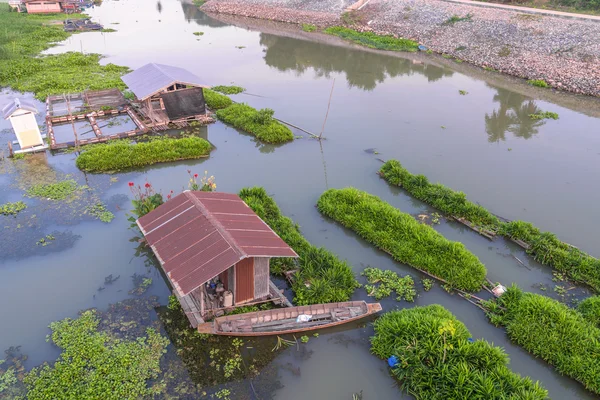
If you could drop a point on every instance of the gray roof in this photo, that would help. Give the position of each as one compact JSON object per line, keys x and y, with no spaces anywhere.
{"x":15,"y":105}
{"x":152,"y":78}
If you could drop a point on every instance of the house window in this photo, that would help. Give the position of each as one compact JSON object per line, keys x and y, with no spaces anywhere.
{"x":157,"y":104}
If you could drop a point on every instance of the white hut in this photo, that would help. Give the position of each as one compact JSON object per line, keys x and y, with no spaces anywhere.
{"x":22,"y":119}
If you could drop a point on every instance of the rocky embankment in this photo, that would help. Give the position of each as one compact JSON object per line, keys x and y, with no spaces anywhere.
{"x":563,"y":52}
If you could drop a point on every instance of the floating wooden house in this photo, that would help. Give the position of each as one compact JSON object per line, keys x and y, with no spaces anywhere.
{"x":42,"y":6}
{"x":215,"y":252}
{"x":167,"y":94}
{"x":22,"y":118}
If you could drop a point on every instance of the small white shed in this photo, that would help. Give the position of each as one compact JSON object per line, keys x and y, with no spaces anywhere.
{"x":22,"y":119}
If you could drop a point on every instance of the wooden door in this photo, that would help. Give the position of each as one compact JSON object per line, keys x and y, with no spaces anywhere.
{"x":244,"y":281}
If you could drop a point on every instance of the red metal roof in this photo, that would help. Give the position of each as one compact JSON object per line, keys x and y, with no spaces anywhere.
{"x":198,"y":235}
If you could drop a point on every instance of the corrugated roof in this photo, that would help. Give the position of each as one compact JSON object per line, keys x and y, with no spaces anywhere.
{"x":15,"y":105}
{"x":153,"y":78}
{"x":198,"y":235}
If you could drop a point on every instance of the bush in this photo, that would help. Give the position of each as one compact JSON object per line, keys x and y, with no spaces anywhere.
{"x":259,"y":123}
{"x":437,"y":361}
{"x":322,"y":277}
{"x":371,"y":40}
{"x":216,"y":101}
{"x":405,"y":239}
{"x":590,"y":309}
{"x":551,"y":331}
{"x":437,"y":195}
{"x":121,"y":154}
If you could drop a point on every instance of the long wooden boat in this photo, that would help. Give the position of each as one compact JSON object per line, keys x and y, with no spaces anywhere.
{"x":290,"y":319}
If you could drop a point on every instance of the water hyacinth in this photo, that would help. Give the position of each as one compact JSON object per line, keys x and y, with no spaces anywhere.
{"x":437,"y":361}
{"x":404,"y":238}
{"x":382,"y":283}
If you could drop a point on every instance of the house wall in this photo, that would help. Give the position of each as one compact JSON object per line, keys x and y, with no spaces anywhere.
{"x":261,"y":277}
{"x":43,"y":7}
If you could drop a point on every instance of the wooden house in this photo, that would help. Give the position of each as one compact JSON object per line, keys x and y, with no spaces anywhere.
{"x":167,"y":94}
{"x":22,"y":118}
{"x":42,"y":6}
{"x":215,"y":252}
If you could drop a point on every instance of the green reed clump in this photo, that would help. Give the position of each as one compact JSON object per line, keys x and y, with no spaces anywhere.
{"x":538,"y":82}
{"x":215,"y":100}
{"x":590,"y":309}
{"x":228,"y":89}
{"x":544,"y":115}
{"x":551,"y":331}
{"x":121,"y":154}
{"x":383,"y":282}
{"x":258,"y":122}
{"x":547,"y":249}
{"x":405,"y":239}
{"x":437,"y":361}
{"x":53,"y":191}
{"x":372,"y":40}
{"x":12,"y":208}
{"x":322,"y":277}
{"x":437,"y":195}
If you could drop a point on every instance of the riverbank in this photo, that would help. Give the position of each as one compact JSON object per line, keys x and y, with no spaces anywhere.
{"x":564,"y":53}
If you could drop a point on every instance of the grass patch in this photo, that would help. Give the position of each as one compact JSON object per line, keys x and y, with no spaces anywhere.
{"x":258,"y":122}
{"x":551,"y":331}
{"x":216,"y":101}
{"x":350,"y":18}
{"x":24,"y":36}
{"x":544,"y":115}
{"x":53,"y":191}
{"x":538,"y":83}
{"x":455,"y":18}
{"x":590,"y":309}
{"x":322,"y":277}
{"x":373,"y":41}
{"x":383,"y":282}
{"x":405,"y":239}
{"x":93,"y":364}
{"x":121,"y":154}
{"x":228,"y":89}
{"x":309,"y":27}
{"x":438,"y":362}
{"x":12,"y":208}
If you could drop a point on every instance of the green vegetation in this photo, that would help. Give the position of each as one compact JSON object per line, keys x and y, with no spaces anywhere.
{"x":538,"y":82}
{"x":12,"y":208}
{"x":463,"y":92}
{"x":199,"y":3}
{"x":121,"y":154}
{"x":591,"y":6}
{"x":371,"y":40}
{"x":590,"y":309}
{"x":437,"y":195}
{"x":547,"y":249}
{"x":455,"y":18}
{"x":309,"y":27}
{"x":405,"y":239}
{"x":382,"y":283}
{"x":258,"y":122}
{"x":544,"y":115}
{"x":551,"y":331}
{"x":216,"y":101}
{"x":107,"y":30}
{"x":24,"y":36}
{"x":322,"y":277}
{"x":229,"y":89}
{"x":53,"y":191}
{"x":437,"y":361}
{"x":96,"y":365}
{"x":427,"y":284}
{"x":198,"y":33}
{"x":99,"y":211}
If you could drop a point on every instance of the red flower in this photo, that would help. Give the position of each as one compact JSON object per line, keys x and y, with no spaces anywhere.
{"x":195,"y":175}
{"x":168,"y":197}
{"x":189,"y":171}
{"x":147,"y":185}
{"x":130,"y":184}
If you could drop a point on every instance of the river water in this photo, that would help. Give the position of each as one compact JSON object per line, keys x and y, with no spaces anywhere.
{"x":406,"y":108}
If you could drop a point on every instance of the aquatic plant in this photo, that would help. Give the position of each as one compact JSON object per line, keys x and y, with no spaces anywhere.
{"x":551,"y":331}
{"x":383,"y":282}
{"x":590,"y":309}
{"x":544,"y":115}
{"x":100,"y":211}
{"x":321,"y":276}
{"x":372,"y":40}
{"x":53,"y":191}
{"x":121,"y":154}
{"x":145,"y":199}
{"x":401,"y":236}
{"x":538,"y":82}
{"x":427,"y":284}
{"x":216,"y":101}
{"x":463,"y":92}
{"x":258,"y":122}
{"x":438,"y":360}
{"x":198,"y":33}
{"x":12,"y":208}
{"x":94,"y":365}
{"x":309,"y":27}
{"x":228,"y":89}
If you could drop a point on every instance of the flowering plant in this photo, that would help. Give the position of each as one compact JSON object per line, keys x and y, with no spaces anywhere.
{"x":207,"y":183}
{"x":145,"y":199}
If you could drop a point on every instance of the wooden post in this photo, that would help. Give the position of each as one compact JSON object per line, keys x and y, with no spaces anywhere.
{"x":10,"y":149}
{"x":72,"y":121}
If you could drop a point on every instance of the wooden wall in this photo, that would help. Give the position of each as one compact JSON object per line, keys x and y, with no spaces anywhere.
{"x":261,"y":277}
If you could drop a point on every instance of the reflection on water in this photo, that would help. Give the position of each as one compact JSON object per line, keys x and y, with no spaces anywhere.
{"x":363,"y":70}
{"x":512,"y":116}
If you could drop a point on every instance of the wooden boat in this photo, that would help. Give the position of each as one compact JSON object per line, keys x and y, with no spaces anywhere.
{"x":290,"y":319}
